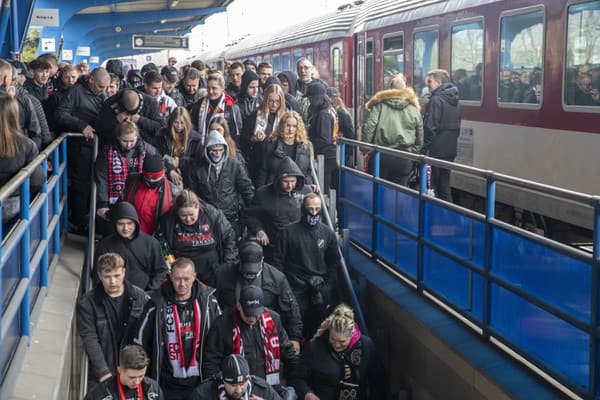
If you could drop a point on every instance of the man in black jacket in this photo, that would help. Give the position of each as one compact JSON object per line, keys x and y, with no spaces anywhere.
{"x":278,"y":296}
{"x":132,"y":105}
{"x":143,"y":257}
{"x":106,"y":314}
{"x":169,"y":81}
{"x":256,"y":333}
{"x":189,"y":87}
{"x":131,"y":382}
{"x":442,"y":127}
{"x":277,"y":205}
{"x":235,"y":383}
{"x":307,"y":254}
{"x":173,"y":330}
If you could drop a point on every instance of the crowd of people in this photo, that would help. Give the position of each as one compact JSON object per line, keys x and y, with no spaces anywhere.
{"x":213,"y":272}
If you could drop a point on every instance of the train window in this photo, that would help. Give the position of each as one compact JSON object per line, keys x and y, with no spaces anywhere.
{"x":336,"y":56}
{"x":309,"y":55}
{"x":393,"y":57}
{"x":521,"y":58}
{"x":276,"y":66}
{"x":285,"y":61}
{"x":466,"y":62}
{"x":425,"y":58}
{"x":297,"y":55}
{"x":267,"y":59}
{"x":369,"y":70}
{"x":582,"y":63}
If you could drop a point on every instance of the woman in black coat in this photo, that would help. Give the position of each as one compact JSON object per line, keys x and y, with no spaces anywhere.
{"x":289,"y":140}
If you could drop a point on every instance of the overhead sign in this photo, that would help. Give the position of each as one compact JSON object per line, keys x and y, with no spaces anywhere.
{"x":148,"y":58}
{"x":159,"y":42}
{"x":95,"y":60}
{"x":83,"y":51}
{"x":44,"y":17}
{"x":48,"y":45}
{"x":67,"y":55}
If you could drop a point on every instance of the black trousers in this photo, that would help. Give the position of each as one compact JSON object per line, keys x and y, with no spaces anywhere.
{"x":440,"y":181}
{"x":393,"y":169}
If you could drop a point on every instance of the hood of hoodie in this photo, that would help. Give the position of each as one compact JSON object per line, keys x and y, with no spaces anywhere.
{"x":116,"y":67}
{"x":124,"y":209}
{"x":395,"y":98}
{"x":213,"y":139}
{"x":247,"y":77}
{"x":287,"y":167}
{"x":292,"y":79}
{"x":448,"y":92}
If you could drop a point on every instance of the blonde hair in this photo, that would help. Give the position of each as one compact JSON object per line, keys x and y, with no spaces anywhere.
{"x":264,"y":107}
{"x":222,"y":122}
{"x":217,"y":77}
{"x":301,"y":136}
{"x":398,"y":81}
{"x":185,"y":199}
{"x":9,"y":126}
{"x":179,"y":147}
{"x":126,"y":127}
{"x":340,"y":321}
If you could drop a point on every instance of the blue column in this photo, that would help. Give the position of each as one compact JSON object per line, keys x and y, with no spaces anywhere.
{"x":44,"y":228}
{"x":15,"y":28}
{"x":25,"y":256}
{"x":56,"y":198}
{"x":490,"y":213}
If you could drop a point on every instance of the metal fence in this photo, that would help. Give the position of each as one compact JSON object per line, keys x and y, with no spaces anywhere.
{"x":29,"y":250}
{"x":536,"y":296}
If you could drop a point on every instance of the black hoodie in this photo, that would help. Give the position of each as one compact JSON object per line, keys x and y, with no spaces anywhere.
{"x":246,"y":103}
{"x":442,"y":122}
{"x":144,"y":261}
{"x":291,"y":104}
{"x":272,"y":208}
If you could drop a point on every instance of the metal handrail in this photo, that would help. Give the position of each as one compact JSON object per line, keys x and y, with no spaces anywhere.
{"x":346,"y":276}
{"x":592,"y":200}
{"x":87,"y":272}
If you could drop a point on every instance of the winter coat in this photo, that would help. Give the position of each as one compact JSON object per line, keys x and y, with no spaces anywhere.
{"x":27,"y":152}
{"x":151,"y":333}
{"x":164,"y":145}
{"x":221,"y":228}
{"x":188,"y":99}
{"x":101,"y":168}
{"x":442,"y":122}
{"x":108,"y":390}
{"x":227,"y":190}
{"x":39,"y":92}
{"x":46,"y":136}
{"x":291,"y":103}
{"x":95,"y":317}
{"x":320,"y":373}
{"x":149,"y":123}
{"x":320,"y":132}
{"x":28,"y":117}
{"x":231,"y":114}
{"x":209,"y":390}
{"x":277,"y":294}
{"x":272,"y":209}
{"x":219,"y":345}
{"x":79,"y":107}
{"x":176,"y":95}
{"x":394,"y":120}
{"x":274,"y":154}
{"x":144,"y":261}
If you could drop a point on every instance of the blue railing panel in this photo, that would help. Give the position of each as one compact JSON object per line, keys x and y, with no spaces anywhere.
{"x":543,"y":335}
{"x":407,"y":253}
{"x":11,"y":273}
{"x":359,"y":224}
{"x":386,"y":245}
{"x":453,"y":281}
{"x":359,"y":189}
{"x":34,"y":285}
{"x":34,"y":232}
{"x":544,"y":273}
{"x":9,"y":345}
{"x":398,"y":207}
{"x":455,"y":233}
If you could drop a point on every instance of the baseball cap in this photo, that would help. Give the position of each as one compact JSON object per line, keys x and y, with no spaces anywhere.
{"x":251,"y":255}
{"x":170,"y":73}
{"x":20,"y":67}
{"x":251,"y":299}
{"x":235,"y":369}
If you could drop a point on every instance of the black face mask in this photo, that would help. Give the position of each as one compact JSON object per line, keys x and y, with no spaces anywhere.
{"x":311,"y":220}
{"x":152,"y":183}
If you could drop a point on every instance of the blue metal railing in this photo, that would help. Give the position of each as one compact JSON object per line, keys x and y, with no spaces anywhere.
{"x":536,"y":296}
{"x":29,"y":250}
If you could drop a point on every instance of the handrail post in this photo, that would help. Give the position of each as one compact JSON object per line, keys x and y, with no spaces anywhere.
{"x":375,"y":200}
{"x":44,"y":227}
{"x":422,"y":221}
{"x":25,"y":256}
{"x":56,"y":198}
{"x":321,"y":171}
{"x":342,"y":154}
{"x":595,"y":306}
{"x":65,"y":183}
{"x":490,"y":213}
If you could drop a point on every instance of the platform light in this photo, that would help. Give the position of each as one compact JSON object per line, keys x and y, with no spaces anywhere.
{"x":162,"y":21}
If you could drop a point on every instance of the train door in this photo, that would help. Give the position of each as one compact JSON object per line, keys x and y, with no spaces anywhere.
{"x":359,"y":78}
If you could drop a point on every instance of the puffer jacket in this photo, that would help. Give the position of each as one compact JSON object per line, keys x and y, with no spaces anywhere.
{"x":394,"y":121}
{"x":79,"y":107}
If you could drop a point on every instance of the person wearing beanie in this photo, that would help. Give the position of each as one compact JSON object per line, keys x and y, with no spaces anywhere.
{"x":258,"y":336}
{"x":250,"y":97}
{"x":253,"y":270}
{"x":146,"y":267}
{"x":250,"y":65}
{"x":219,"y":180}
{"x":307,"y":254}
{"x":150,"y":192}
{"x":235,"y":383}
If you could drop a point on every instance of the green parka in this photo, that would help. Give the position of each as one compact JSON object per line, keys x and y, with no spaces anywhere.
{"x":394,"y":120}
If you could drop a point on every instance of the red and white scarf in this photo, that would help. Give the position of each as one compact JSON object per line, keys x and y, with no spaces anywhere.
{"x":205,"y":110}
{"x":140,"y":392}
{"x":175,"y":346}
{"x":262,"y":122}
{"x":270,"y":339}
{"x":118,"y":169}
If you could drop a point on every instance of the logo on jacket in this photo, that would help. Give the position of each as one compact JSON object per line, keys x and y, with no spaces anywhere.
{"x":321,"y":243}
{"x":205,"y":228}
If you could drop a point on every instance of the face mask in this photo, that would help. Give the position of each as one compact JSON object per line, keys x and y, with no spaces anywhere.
{"x":311,"y":220}
{"x":214,"y":157}
{"x":153,"y":180}
{"x":151,"y":183}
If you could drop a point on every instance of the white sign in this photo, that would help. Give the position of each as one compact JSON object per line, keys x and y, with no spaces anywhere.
{"x":67,"y":55}
{"x":95,"y":60}
{"x":83,"y":51}
{"x":48,"y":45}
{"x":44,"y":17}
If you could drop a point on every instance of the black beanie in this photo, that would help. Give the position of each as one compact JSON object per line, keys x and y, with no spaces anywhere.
{"x":152,"y":164}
